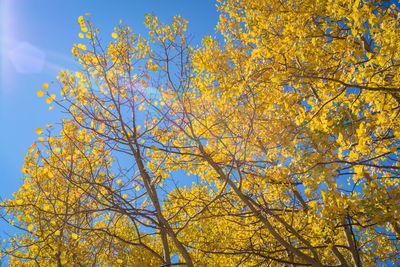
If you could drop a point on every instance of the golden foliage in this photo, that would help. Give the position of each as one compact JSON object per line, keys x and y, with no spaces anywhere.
{"x":286,"y":125}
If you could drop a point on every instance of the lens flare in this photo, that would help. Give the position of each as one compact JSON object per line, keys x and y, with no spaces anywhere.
{"x":26,"y":58}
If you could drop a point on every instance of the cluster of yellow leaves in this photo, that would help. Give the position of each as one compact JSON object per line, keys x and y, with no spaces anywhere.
{"x":311,"y":93}
{"x":62,"y":205}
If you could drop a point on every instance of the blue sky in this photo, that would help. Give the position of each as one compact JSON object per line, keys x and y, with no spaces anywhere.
{"x":36,"y":37}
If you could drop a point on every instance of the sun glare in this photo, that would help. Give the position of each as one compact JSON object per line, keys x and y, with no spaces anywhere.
{"x":17,"y":56}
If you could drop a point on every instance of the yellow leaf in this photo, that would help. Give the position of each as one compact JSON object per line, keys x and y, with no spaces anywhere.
{"x":40,"y":93}
{"x":114,"y":35}
{"x":137,"y":188}
{"x":313,"y":204}
{"x":274,"y":79}
{"x":124,"y":196}
{"x":74,"y":236}
{"x":307,"y":192}
{"x":45,"y":85}
{"x":81,"y":35}
{"x":38,"y":130}
{"x":30,"y":227}
{"x":31,"y":148}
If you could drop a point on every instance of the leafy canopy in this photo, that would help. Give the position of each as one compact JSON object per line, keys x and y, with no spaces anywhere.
{"x":284,"y":128}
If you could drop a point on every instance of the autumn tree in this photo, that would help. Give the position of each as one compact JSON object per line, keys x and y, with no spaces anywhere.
{"x":108,"y":199}
{"x":285,"y":123}
{"x":299,"y":106}
{"x":69,"y":211}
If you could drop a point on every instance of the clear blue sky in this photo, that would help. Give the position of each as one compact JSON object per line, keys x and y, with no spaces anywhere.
{"x":36,"y":37}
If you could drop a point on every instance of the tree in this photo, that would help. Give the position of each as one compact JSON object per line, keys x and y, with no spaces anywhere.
{"x":287,"y":126}
{"x":68,"y":209}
